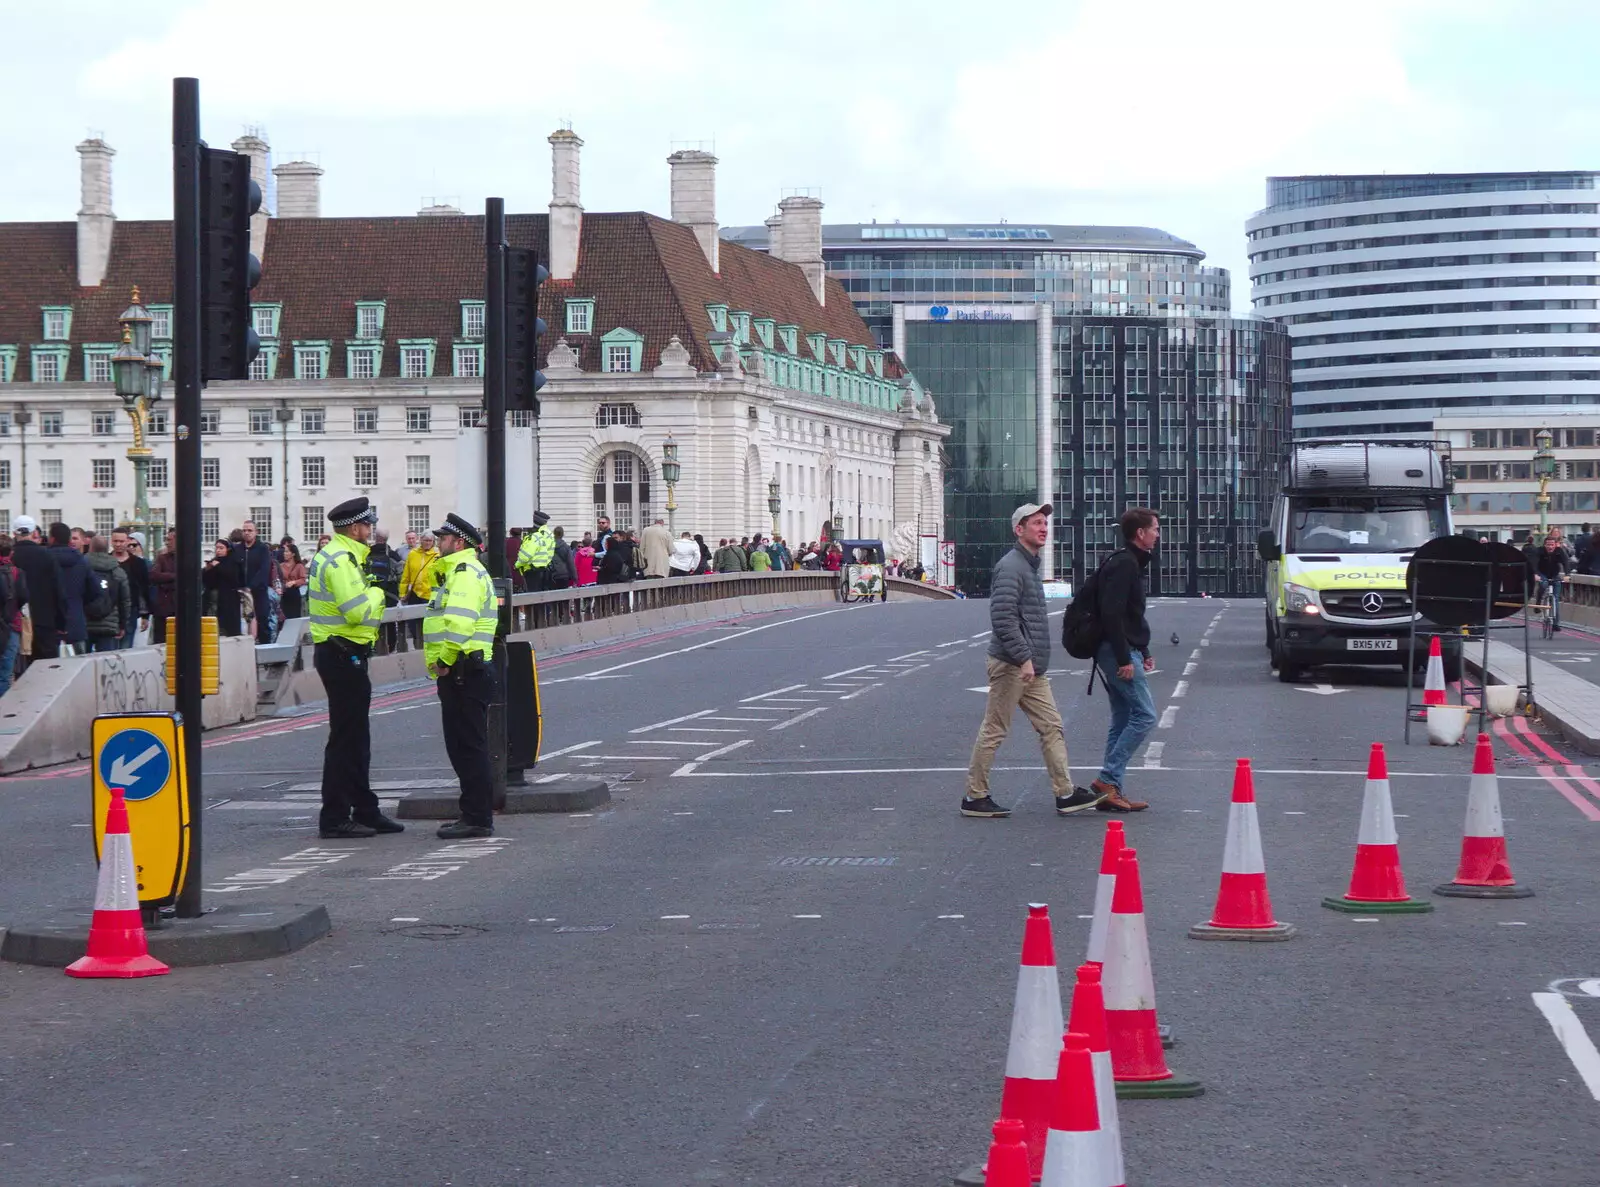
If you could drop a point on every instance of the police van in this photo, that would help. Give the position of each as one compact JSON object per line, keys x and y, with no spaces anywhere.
{"x":1348,"y":518}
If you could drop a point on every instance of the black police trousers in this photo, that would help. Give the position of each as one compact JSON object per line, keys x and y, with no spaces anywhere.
{"x":465,"y":690}
{"x":346,"y":784}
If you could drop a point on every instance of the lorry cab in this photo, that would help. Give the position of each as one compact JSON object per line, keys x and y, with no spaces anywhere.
{"x":1347,"y":520}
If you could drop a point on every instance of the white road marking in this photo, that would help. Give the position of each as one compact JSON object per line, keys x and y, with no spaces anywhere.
{"x":406,"y":919}
{"x":852,"y":696}
{"x":1195,"y":654}
{"x":806,"y":917}
{"x":1512,"y":923}
{"x":953,"y":643}
{"x":645,"y":729}
{"x":907,"y":655}
{"x":1152,"y":756}
{"x":674,"y":917}
{"x":702,"y":729}
{"x":738,"y":719}
{"x":918,"y":668}
{"x":1294,"y":813}
{"x":633,"y":663}
{"x":847,"y":672}
{"x":1205,"y":642}
{"x":1181,"y":688}
{"x":1168,"y":716}
{"x":1366,"y":919}
{"x":1188,"y":669}
{"x":1393,"y":774}
{"x":683,"y":813}
{"x":763,"y":696}
{"x":688,"y":768}
{"x":569,"y":749}
{"x":798,"y":718}
{"x":661,"y":742}
{"x":952,"y":917}
{"x":1574,"y":1039}
{"x":883,"y":809}
{"x":783,"y":811}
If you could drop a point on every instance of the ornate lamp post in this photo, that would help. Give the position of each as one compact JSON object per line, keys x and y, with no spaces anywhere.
{"x":774,"y":501}
{"x":671,"y":471}
{"x":1544,"y":469}
{"x":136,"y":375}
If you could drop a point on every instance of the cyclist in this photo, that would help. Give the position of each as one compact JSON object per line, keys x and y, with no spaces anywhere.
{"x":1551,"y":564}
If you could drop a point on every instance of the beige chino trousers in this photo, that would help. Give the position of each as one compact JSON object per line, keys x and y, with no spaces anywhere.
{"x":1008,"y":692}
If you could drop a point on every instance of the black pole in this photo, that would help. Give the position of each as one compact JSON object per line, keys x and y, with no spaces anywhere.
{"x":494,"y":404}
{"x":184,"y":648}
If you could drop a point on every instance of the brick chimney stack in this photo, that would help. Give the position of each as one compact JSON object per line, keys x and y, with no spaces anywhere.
{"x":694,"y":198}
{"x":95,"y":218}
{"x":799,"y":240}
{"x":566,"y":211}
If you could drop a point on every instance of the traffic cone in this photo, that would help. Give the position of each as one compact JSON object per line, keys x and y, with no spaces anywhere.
{"x":1088,"y":1018}
{"x":1433,"y":687}
{"x":1377,"y":884}
{"x":1484,"y":870}
{"x":116,"y":932}
{"x":1116,"y":841}
{"x":1075,"y":1155}
{"x":1008,"y":1157}
{"x":1130,"y":996}
{"x":1243,"y":910}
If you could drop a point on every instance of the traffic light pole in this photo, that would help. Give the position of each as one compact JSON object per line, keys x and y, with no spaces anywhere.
{"x":184,"y":648}
{"x":494,"y":403}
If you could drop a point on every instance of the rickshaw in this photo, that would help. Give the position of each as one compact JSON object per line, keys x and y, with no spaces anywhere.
{"x":861,"y":572}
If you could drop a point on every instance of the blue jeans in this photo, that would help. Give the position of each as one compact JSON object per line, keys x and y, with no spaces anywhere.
{"x":1133,"y":714}
{"x":8,"y":660}
{"x":130,"y":631}
{"x":104,"y":643}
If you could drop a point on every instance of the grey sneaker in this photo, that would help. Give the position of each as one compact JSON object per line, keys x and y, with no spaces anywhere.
{"x":462,"y":829}
{"x":985,"y":808}
{"x":1081,"y":800}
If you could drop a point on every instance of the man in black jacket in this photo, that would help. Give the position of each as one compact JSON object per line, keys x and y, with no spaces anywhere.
{"x":1124,"y":631}
{"x":74,"y":578}
{"x":45,"y":606}
{"x":1019,"y":656}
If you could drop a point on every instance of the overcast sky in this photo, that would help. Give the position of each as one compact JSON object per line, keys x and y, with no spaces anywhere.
{"x":1157,"y":113}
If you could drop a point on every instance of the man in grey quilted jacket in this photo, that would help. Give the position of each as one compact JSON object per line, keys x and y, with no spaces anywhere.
{"x":1019,"y":656}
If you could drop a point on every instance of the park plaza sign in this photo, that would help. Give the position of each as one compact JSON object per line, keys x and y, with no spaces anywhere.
{"x":953,"y":312}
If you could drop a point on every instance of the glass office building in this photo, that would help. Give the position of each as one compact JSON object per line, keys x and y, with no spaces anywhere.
{"x":1095,"y":368}
{"x":1410,"y":298}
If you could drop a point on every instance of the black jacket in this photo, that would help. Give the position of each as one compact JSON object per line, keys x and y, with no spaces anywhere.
{"x":74,"y":572}
{"x":563,"y":569}
{"x":1121,"y":598}
{"x":619,"y":563}
{"x":1018,"y":630}
{"x":45,"y":606}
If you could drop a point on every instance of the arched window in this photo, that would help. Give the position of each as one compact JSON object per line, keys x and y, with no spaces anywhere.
{"x":622,"y":490}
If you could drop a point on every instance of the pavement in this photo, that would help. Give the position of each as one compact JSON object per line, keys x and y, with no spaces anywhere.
{"x":781,"y":957}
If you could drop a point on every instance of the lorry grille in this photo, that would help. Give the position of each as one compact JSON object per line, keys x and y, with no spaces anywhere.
{"x":1367,"y":603}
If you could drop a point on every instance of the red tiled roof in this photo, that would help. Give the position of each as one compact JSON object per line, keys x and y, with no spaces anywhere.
{"x":644,"y":273}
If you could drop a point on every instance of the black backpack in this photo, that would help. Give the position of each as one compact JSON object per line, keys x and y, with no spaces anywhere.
{"x":99,"y":596}
{"x":1081,"y":635}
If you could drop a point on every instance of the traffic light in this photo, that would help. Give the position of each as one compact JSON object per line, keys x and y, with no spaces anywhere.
{"x":228,"y":271}
{"x":524,"y":327}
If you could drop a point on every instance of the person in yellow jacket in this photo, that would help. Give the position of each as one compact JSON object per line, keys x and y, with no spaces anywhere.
{"x":537,"y":551}
{"x":345,"y":612}
{"x":458,"y":644}
{"x":416,"y":580}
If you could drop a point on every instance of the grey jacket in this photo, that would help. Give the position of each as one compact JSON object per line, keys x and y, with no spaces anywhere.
{"x":1019,"y":628}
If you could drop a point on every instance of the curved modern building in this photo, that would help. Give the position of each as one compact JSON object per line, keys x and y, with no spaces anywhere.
{"x":1411,"y":297}
{"x":1089,"y":367}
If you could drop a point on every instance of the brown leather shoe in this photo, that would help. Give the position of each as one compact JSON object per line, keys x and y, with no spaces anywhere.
{"x":1115,"y":801}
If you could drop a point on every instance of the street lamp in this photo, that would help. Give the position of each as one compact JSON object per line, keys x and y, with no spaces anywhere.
{"x":1544,"y":469}
{"x":136,"y":375}
{"x":671,"y":471}
{"x":774,"y":500}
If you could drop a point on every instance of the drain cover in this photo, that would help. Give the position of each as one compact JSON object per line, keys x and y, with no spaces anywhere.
{"x":440,"y":931}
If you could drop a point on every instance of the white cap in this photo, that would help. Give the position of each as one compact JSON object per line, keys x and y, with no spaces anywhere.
{"x":24,"y":523}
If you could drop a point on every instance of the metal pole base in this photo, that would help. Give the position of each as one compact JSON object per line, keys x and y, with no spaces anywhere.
{"x":1463,"y":890}
{"x":1410,"y":906}
{"x":1277,"y":931}
{"x":1171,"y":1088}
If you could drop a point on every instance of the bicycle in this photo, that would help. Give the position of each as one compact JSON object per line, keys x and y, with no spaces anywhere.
{"x":1549,"y":592}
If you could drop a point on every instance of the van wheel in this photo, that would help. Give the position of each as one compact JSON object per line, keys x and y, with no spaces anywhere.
{"x":1288,"y":672}
{"x":1271,"y":641}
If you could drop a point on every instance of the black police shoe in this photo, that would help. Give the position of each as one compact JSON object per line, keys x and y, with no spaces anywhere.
{"x":461,"y":829}
{"x":379,"y":823}
{"x":984,"y":808}
{"x":349,"y":830}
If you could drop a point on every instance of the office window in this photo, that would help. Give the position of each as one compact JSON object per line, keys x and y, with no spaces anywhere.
{"x":5,"y":483}
{"x":102,"y":520}
{"x":96,"y":365}
{"x":417,"y":420}
{"x":416,"y":362}
{"x":103,"y":424}
{"x":208,"y":526}
{"x":469,"y":416}
{"x":261,"y":420}
{"x":419,"y":470}
{"x":469,"y":362}
{"x":260,"y":472}
{"x":160,"y":321}
{"x":313,"y":522}
{"x":366,"y":420}
{"x":619,"y":357}
{"x":472,"y":319}
{"x":261,"y":366}
{"x":47,"y":366}
{"x":50,"y":424}
{"x":157,"y":425}
{"x":310,"y":362}
{"x":103,"y":473}
{"x":580,"y":316}
{"x":57,"y":323}
{"x":522,"y":418}
{"x":210,"y":473}
{"x":616,"y":414}
{"x":50,"y":475}
{"x":417,"y":518}
{"x":366,"y":471}
{"x":48,"y":516}
{"x":159,"y":472}
{"x":210,"y":422}
{"x":363,"y":362}
{"x":265,"y":320}
{"x":313,"y":420}
{"x":369,"y":319}
{"x":262,"y":518}
{"x":313,"y":471}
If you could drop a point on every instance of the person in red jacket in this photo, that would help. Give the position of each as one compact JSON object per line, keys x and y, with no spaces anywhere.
{"x":164,"y":588}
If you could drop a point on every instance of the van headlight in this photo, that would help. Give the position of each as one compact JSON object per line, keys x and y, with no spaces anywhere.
{"x":1297,"y":599}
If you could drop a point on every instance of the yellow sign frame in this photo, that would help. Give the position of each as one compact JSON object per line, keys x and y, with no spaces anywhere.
{"x":159,"y":822}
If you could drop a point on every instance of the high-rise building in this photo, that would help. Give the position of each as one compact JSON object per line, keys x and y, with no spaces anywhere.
{"x":1093,"y":368}
{"x":1410,"y":297}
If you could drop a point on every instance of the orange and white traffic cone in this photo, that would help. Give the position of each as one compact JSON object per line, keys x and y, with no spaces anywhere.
{"x":1137,"y":1061}
{"x":1105,"y":885}
{"x":1244,"y":909}
{"x":1377,"y":884}
{"x":1008,"y":1157}
{"x":1433,"y":688}
{"x":116,"y":932}
{"x":1088,"y":1018}
{"x":1075,"y":1155}
{"x":1484,"y":870}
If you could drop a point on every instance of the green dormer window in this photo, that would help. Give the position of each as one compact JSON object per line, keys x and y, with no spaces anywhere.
{"x":49,"y":363}
{"x":719,"y":317}
{"x":580,"y":315}
{"x":836,"y":348}
{"x":472,"y":319}
{"x":764,"y":330}
{"x":621,"y":350}
{"x":97,"y":361}
{"x":819,"y":346}
{"x":875,"y":362}
{"x":741,"y":328}
{"x":791,"y":338}
{"x":416,"y":358}
{"x":8,"y":363}
{"x":264,"y":317}
{"x":369,"y":320}
{"x":160,"y":322}
{"x":57,"y":322}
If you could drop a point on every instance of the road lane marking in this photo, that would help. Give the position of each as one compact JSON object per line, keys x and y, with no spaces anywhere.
{"x":1361,"y":773}
{"x":662,"y":742}
{"x":953,"y":643}
{"x":633,"y":663}
{"x":846,"y":672}
{"x":645,"y":729}
{"x":738,"y":719}
{"x":1181,"y":688}
{"x":852,"y":696}
{"x":1574,"y":1039}
{"x":1188,"y":668}
{"x":700,"y":729}
{"x":674,"y":917}
{"x":1205,"y":642}
{"x":798,"y":718}
{"x":688,"y":768}
{"x":764,"y":695}
{"x":1195,"y":654}
{"x":805,"y":917}
{"x":794,"y":701}
{"x":1168,"y":716}
{"x":1152,"y":756}
{"x":570,"y":749}
{"x":907,"y":655}
{"x":952,"y":916}
{"x":918,"y":668}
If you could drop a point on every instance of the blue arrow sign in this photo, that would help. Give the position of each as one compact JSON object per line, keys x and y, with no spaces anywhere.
{"x":136,"y":761}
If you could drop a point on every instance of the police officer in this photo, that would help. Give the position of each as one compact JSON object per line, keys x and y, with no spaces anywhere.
{"x":458,"y":644}
{"x":537,"y":551}
{"x":345,"y":613}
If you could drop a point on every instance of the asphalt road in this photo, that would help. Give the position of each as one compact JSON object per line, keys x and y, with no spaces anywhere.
{"x":687,"y":989}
